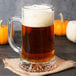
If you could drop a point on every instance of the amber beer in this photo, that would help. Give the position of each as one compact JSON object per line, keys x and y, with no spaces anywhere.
{"x":37,"y":36}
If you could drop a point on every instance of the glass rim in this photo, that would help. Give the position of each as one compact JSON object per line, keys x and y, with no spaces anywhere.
{"x":48,"y":7}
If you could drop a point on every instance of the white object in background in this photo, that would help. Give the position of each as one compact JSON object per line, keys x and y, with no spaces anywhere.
{"x":71,"y":31}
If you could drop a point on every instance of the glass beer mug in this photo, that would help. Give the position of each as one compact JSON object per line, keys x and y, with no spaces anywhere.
{"x":37,"y":36}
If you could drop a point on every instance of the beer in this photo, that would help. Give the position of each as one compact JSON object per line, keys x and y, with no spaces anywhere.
{"x":37,"y":44}
{"x":37,"y":35}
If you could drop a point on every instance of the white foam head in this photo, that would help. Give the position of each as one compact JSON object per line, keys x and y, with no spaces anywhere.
{"x":37,"y":16}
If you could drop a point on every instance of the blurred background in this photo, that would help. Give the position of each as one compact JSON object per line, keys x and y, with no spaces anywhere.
{"x":9,"y":8}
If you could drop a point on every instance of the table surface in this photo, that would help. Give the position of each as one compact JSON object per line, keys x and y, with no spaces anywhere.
{"x":63,"y":48}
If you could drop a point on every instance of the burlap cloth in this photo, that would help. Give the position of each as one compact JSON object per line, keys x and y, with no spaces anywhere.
{"x":13,"y":65}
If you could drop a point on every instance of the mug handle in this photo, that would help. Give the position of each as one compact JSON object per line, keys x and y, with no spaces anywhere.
{"x":10,"y":34}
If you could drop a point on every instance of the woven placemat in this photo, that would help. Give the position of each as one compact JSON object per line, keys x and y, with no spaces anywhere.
{"x":13,"y":65}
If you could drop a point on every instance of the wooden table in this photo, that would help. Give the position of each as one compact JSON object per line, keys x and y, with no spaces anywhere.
{"x":63,"y":48}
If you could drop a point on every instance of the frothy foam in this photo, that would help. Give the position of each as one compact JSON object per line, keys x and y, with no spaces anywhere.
{"x":37,"y":16}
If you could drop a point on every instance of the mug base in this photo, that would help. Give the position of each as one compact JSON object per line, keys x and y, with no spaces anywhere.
{"x":38,"y":67}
